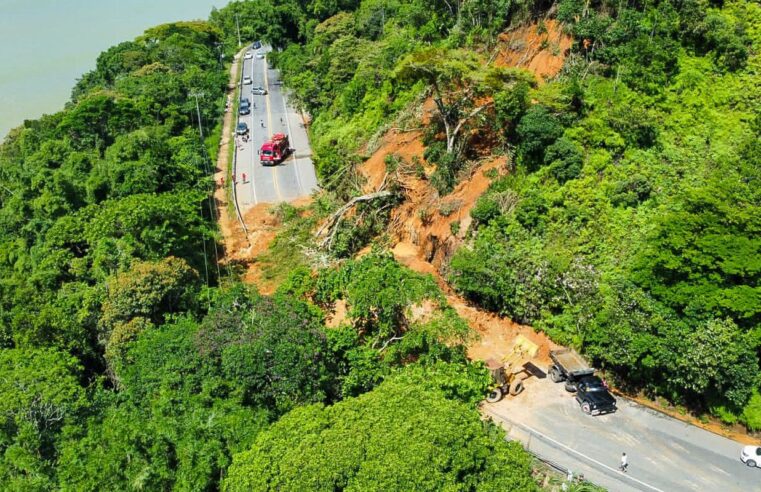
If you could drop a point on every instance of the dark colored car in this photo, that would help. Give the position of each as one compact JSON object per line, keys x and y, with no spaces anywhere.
{"x":241,"y":129}
{"x":256,"y":45}
{"x":245,"y":106}
{"x":593,"y":396}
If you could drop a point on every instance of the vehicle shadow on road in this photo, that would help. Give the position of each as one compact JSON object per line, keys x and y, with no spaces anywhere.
{"x":535,"y":371}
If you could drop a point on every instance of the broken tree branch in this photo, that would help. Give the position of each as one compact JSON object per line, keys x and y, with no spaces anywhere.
{"x":337,"y":217}
{"x":451,"y":138}
{"x":392,"y":339}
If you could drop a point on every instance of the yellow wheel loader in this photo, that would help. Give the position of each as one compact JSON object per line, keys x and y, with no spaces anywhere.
{"x":509,"y":373}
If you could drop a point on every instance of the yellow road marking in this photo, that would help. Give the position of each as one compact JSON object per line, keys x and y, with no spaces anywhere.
{"x":269,"y":125}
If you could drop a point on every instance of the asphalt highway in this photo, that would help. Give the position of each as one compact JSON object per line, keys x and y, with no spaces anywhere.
{"x":295,"y":176}
{"x":665,"y":454}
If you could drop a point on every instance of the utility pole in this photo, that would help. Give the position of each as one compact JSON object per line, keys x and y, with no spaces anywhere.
{"x":237,"y":27}
{"x":198,"y":111}
{"x":212,"y":208}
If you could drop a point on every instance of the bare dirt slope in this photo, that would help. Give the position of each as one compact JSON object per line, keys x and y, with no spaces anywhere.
{"x":496,"y":334}
{"x":541,"y":48}
{"x":422,"y":229}
{"x":426,"y":229}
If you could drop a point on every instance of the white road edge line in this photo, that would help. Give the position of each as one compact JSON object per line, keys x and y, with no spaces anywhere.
{"x":290,"y":135}
{"x":251,"y":129}
{"x":269,"y":126}
{"x":589,"y":458}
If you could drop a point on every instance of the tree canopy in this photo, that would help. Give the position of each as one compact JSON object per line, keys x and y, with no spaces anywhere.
{"x":400,"y":436}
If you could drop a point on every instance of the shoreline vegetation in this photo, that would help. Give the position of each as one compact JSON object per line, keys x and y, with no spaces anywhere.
{"x":626,"y":224}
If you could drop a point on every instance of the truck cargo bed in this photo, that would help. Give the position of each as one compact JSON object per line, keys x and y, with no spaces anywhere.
{"x":570,"y":362}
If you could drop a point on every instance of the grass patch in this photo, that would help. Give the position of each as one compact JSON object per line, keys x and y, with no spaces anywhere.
{"x":288,"y":250}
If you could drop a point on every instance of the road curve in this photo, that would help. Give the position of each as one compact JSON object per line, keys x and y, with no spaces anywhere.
{"x":665,"y":454}
{"x":272,"y":113}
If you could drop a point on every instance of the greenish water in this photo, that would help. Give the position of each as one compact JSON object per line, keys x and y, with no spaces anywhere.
{"x":45,"y":45}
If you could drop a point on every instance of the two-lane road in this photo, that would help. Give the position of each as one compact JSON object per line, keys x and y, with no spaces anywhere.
{"x":665,"y":454}
{"x":271,"y":113}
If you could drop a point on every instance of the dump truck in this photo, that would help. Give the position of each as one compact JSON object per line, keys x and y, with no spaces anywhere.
{"x":509,"y":373}
{"x":274,"y":150}
{"x":591,"y":391}
{"x":568,"y":366}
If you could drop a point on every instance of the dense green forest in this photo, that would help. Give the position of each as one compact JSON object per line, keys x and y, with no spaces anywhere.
{"x":627,"y":227}
{"x":630,"y":227}
{"x":132,"y":360}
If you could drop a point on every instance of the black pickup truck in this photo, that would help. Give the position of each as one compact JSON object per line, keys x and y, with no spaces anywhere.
{"x":593,"y":396}
{"x":591,"y":393}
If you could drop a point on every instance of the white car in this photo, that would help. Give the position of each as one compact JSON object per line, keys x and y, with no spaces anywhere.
{"x":751,"y":455}
{"x":259,"y":56}
{"x":247,"y":80}
{"x":248,"y":55}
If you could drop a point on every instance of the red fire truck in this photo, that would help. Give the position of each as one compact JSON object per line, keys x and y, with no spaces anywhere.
{"x":274,"y":150}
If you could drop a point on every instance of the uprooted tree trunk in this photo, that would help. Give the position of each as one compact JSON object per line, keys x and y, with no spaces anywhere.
{"x":330,"y":228}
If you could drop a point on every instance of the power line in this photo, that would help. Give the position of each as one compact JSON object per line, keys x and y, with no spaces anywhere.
{"x":210,"y":198}
{"x":198,"y":111}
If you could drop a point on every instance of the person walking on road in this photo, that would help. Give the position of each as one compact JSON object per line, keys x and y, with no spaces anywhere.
{"x":624,"y":463}
{"x":261,"y":122}
{"x":244,"y":177}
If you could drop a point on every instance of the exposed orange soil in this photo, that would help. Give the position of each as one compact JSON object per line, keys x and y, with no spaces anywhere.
{"x":495,"y":334}
{"x":541,"y":51}
{"x":402,"y":144}
{"x":338,"y":316}
{"x":421,"y":227}
{"x":232,"y":233}
{"x":263,"y":226}
{"x":424,"y":241}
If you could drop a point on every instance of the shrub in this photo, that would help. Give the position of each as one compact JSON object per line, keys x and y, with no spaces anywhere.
{"x":485,"y":210}
{"x":537,"y":130}
{"x":751,"y":414}
{"x":448,"y":208}
{"x":564,"y":159}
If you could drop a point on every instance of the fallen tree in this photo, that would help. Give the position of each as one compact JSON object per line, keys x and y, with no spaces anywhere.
{"x":331,"y":225}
